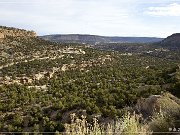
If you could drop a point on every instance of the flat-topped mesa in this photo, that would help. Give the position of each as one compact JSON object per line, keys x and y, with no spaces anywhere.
{"x":14,"y":32}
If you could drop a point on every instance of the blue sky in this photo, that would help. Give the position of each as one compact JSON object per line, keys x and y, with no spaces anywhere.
{"x":154,"y":18}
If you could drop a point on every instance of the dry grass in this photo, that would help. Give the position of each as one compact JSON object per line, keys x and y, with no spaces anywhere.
{"x":161,"y":122}
{"x":128,"y":125}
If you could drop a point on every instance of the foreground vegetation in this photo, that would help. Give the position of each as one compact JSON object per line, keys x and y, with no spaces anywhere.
{"x":47,"y":87}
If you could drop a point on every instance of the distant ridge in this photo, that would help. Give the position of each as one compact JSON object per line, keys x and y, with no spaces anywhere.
{"x":95,"y":39}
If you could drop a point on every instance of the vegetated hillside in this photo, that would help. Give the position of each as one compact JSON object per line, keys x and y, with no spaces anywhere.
{"x":172,"y":42}
{"x":14,"y":32}
{"x":43,"y":83}
{"x":168,"y":48}
{"x":94,"y":39}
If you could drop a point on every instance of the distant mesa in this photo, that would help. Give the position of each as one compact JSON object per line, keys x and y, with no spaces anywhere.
{"x":95,"y":39}
{"x":14,"y":32}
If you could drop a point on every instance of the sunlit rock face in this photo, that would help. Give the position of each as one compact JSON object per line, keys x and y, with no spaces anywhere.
{"x":1,"y":35}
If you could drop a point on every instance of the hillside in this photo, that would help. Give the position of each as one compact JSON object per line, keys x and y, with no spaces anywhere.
{"x":94,"y":39}
{"x":172,"y":41}
{"x":44,"y":85}
{"x":15,"y":32}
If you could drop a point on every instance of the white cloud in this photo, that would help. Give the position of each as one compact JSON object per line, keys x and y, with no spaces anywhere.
{"x":100,"y":17}
{"x":169,"y":10}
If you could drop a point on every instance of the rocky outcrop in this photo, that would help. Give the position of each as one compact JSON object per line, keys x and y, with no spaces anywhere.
{"x":14,"y":32}
{"x":156,"y":103}
{"x":1,"y":35}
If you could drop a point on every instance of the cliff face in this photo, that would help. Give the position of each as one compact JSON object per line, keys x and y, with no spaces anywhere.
{"x":13,"y":32}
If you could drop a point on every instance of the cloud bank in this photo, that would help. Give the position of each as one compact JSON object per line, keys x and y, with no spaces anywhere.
{"x":97,"y":17}
{"x":169,"y":10}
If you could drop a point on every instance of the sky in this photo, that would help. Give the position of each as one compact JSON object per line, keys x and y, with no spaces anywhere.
{"x":140,"y":18}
